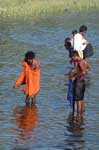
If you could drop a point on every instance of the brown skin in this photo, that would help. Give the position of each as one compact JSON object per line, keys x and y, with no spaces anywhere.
{"x":76,"y":72}
{"x":80,"y":70}
{"x":34,"y":63}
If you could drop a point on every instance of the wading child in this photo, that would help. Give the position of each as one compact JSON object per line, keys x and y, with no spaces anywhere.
{"x":78,"y":75}
{"x":30,"y":76}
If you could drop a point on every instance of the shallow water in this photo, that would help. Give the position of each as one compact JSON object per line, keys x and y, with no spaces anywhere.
{"x":49,"y":125}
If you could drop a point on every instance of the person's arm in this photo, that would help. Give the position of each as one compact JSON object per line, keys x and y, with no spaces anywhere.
{"x":72,"y":74}
{"x":88,"y":68}
{"x":85,"y":40}
{"x":84,"y":43}
{"x":20,"y":80}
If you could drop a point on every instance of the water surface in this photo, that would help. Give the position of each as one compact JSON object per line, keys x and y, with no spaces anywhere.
{"x":49,"y":125}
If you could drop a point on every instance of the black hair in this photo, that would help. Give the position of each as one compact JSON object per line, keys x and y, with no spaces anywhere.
{"x":67,"y":43}
{"x":74,"y":53}
{"x":29,"y":55}
{"x":82,"y":28}
{"x":74,"y":31}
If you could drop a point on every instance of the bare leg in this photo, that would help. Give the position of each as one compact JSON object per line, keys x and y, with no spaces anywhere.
{"x":34,"y":100}
{"x":80,"y":118}
{"x":82,"y":106}
{"x":79,"y":107}
{"x":73,"y":107}
{"x":27,"y":99}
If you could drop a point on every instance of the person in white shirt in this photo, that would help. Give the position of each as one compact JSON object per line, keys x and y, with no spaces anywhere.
{"x":80,"y":40}
{"x":74,"y":32}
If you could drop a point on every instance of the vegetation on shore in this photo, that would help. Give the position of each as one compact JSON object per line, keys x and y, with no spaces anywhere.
{"x":25,"y":8}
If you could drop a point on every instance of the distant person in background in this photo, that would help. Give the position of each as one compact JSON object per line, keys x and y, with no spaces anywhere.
{"x":69,"y":43}
{"x":80,"y":43}
{"x":30,"y":77}
{"x":80,"y":40}
{"x":74,"y":32}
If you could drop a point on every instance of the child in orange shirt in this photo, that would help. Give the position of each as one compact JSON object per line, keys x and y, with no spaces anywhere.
{"x":30,"y":76}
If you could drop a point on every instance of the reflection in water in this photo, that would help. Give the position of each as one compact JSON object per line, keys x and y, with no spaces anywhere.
{"x":26,"y":119}
{"x":74,"y":133}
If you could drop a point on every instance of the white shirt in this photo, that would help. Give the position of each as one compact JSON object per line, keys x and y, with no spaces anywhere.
{"x":78,"y":42}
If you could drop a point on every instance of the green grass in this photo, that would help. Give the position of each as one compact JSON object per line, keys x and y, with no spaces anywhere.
{"x":25,"y":8}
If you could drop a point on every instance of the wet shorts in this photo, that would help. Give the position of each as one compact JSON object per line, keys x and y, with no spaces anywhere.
{"x":79,"y":89}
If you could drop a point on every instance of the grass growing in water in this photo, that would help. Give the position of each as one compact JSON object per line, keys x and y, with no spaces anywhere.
{"x":25,"y":8}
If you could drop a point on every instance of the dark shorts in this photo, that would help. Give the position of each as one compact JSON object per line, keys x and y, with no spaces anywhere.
{"x":79,"y":89}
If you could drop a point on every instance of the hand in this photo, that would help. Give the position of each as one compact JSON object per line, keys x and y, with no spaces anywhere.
{"x":15,"y":86}
{"x":73,"y":78}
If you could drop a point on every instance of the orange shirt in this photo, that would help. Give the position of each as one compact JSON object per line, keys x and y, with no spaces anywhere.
{"x":31,"y":78}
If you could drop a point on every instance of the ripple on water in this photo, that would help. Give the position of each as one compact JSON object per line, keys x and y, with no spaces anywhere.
{"x":50,"y":127}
